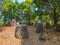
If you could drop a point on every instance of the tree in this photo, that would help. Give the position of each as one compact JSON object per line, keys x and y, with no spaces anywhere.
{"x":1,"y":21}
{"x":17,"y":10}
{"x":11,"y":10}
{"x":51,"y":6}
{"x":5,"y":9}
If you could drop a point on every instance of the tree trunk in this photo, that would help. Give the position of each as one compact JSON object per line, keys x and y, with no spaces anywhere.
{"x":5,"y":19}
{"x":28,"y":18}
{"x":55,"y":17}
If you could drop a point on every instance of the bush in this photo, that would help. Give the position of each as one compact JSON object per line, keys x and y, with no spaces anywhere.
{"x":1,"y":22}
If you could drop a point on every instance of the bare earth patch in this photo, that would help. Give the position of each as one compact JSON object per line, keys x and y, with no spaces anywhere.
{"x":7,"y":37}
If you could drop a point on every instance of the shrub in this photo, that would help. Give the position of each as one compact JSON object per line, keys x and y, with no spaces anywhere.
{"x":1,"y":22}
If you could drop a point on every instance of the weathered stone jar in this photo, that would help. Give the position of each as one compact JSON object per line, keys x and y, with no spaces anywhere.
{"x":57,"y":28}
{"x":39,"y":27}
{"x":18,"y":32}
{"x":21,"y":32}
{"x":24,"y":31}
{"x":48,"y":26}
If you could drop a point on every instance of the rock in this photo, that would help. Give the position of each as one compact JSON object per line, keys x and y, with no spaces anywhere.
{"x":13,"y":22}
{"x":42,"y":38}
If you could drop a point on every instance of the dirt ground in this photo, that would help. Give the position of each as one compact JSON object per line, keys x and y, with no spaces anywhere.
{"x":52,"y":37}
{"x":7,"y":37}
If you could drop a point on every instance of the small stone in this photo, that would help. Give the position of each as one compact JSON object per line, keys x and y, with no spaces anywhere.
{"x":42,"y":38}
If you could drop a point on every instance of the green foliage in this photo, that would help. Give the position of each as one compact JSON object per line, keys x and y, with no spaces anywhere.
{"x":49,"y":7}
{"x":1,"y":21}
{"x":33,"y":10}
